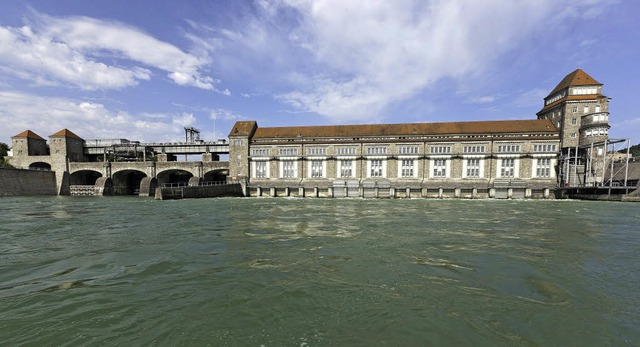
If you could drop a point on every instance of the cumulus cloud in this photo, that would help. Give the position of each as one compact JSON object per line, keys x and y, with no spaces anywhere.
{"x":375,"y":53}
{"x":76,"y":50}
{"x":86,"y":119}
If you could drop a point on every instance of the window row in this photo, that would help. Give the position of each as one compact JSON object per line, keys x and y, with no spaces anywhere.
{"x":407,"y":168}
{"x":476,"y":148}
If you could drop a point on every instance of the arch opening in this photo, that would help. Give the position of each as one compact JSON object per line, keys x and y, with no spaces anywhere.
{"x":127,"y":182}
{"x":84,"y":177}
{"x":40,"y":166}
{"x":216,"y":176}
{"x":174,"y":177}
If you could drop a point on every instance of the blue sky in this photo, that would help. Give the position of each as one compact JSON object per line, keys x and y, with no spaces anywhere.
{"x":143,"y":70}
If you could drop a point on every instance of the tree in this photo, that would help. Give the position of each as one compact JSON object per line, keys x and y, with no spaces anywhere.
{"x":4,"y":148}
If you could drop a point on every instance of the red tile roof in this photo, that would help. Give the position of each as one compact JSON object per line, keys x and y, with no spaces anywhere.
{"x":243,"y":128}
{"x":370,"y":130}
{"x":576,"y":78}
{"x":29,"y":134}
{"x":66,"y":133}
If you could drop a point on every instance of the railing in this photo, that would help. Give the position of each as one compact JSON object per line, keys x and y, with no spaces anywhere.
{"x":185,"y":184}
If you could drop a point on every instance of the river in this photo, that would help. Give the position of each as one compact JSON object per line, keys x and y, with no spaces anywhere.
{"x":318,"y":272}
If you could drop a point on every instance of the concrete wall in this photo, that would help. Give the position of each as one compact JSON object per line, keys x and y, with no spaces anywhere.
{"x":27,"y":182}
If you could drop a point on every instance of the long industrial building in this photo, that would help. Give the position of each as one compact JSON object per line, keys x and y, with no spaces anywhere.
{"x":503,"y":159}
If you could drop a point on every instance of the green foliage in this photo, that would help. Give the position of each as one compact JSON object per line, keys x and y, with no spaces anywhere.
{"x":633,"y":150}
{"x":4,"y":148}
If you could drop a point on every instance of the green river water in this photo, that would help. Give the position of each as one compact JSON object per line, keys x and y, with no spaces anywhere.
{"x":318,"y":272}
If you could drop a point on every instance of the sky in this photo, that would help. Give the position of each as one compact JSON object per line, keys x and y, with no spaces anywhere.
{"x":144,"y":70}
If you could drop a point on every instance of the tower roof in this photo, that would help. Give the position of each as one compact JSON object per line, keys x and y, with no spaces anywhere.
{"x":576,"y":78}
{"x":66,"y":133}
{"x":29,"y":134}
{"x":244,"y":128}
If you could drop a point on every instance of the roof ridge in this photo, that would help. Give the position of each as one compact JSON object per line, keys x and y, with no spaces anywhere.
{"x":29,"y":134}
{"x":66,"y":133}
{"x":576,"y":78}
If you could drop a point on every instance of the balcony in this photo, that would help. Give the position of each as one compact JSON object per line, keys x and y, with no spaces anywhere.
{"x":595,"y":119}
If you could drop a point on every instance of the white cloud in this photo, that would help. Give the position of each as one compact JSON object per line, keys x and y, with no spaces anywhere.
{"x":47,"y":115}
{"x":485,"y":99}
{"x":530,"y":98}
{"x":375,"y":53}
{"x":76,"y":50}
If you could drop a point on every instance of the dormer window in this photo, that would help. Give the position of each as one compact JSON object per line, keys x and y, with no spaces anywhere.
{"x":584,"y":90}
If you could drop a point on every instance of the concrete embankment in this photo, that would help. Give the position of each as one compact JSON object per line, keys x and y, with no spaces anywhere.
{"x":194,"y":192}
{"x":14,"y":182}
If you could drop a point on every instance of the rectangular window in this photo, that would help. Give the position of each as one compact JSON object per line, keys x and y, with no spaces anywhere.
{"x":474,"y":149}
{"x":573,"y":134}
{"x":406,"y":168}
{"x":473,"y":168}
{"x":440,"y":168}
{"x":346,"y":150}
{"x":261,"y":169}
{"x":408,"y":150}
{"x":509,"y":148}
{"x":586,"y":108}
{"x":260,"y":152}
{"x":508,"y":167}
{"x":597,"y":108}
{"x":575,"y":109}
{"x":288,"y":151}
{"x":376,"y":168}
{"x":543,"y":167}
{"x":440,"y":149}
{"x":574,"y":121}
{"x":377,"y":150}
{"x":544,"y":148}
{"x":346,"y":168}
{"x":317,"y":168}
{"x":317,"y":151}
{"x":288,"y":168}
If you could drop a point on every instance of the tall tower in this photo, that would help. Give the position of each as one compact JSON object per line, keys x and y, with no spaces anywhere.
{"x":579,"y":110}
{"x":65,"y":146}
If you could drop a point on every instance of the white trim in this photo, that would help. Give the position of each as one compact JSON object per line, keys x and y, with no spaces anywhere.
{"x":516,"y":167}
{"x":324,"y":168}
{"x":374,"y":157}
{"x":439,"y":156}
{"x":415,"y":166}
{"x":384,"y":167}
{"x":295,"y":168}
{"x":447,"y":167}
{"x":339,"y":168}
{"x":481,"y":166}
{"x":288,"y":158}
{"x":405,"y":157}
{"x":268,"y":169}
{"x":515,"y":156}
{"x":342,"y":157}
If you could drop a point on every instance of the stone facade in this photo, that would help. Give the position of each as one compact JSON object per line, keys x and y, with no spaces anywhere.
{"x":472,"y":159}
{"x":581,"y":112}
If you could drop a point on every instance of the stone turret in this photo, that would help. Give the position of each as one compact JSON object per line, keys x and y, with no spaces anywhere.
{"x":578,"y":109}
{"x":239,"y":138}
{"x":65,"y":147}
